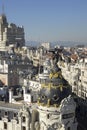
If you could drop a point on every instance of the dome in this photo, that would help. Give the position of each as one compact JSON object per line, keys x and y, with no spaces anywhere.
{"x":52,"y":93}
{"x":53,"y":96}
{"x":54,"y":89}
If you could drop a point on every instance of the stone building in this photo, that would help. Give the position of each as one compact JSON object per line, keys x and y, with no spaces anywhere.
{"x":10,"y":33}
{"x":54,"y":110}
{"x":55,"y":106}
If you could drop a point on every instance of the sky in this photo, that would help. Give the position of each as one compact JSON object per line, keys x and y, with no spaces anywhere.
{"x":48,"y":20}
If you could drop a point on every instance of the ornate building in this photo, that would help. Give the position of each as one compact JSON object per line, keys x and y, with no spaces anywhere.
{"x":56,"y":106}
{"x":54,"y":110}
{"x":10,"y":33}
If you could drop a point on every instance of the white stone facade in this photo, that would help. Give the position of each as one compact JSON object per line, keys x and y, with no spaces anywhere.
{"x":76,"y":75}
{"x":61,"y":118}
{"x":43,"y":117}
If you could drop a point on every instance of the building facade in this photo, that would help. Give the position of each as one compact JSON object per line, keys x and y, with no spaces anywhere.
{"x":10,"y":33}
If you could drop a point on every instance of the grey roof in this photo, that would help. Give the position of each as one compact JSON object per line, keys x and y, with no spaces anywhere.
{"x":9,"y":106}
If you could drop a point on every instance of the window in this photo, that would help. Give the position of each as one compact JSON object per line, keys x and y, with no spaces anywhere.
{"x":5,"y":125}
{"x":70,"y":115}
{"x":23,"y":128}
{"x":23,"y":119}
{"x":2,"y":62}
{"x":15,"y":115}
{"x":6,"y":113}
{"x":48,"y":116}
{"x":55,"y":98}
{"x":74,"y":83}
{"x":68,"y":128}
{"x":82,"y":73}
{"x":46,"y":68}
{"x":82,"y":94}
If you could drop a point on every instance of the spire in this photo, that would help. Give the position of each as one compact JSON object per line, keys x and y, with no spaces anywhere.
{"x":3,"y":18}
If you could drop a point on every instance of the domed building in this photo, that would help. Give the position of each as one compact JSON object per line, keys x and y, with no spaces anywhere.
{"x":54,"y":110}
{"x":56,"y":107}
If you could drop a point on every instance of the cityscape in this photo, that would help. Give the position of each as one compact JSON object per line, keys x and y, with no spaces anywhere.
{"x":43,"y":77}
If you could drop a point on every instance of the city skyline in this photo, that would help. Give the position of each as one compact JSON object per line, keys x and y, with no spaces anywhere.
{"x":45,"y":20}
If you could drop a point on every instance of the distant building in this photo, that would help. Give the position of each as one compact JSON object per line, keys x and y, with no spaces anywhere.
{"x":46,"y":45}
{"x":10,"y":33}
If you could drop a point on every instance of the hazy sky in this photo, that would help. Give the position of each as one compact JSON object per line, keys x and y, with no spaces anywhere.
{"x":49,"y":20}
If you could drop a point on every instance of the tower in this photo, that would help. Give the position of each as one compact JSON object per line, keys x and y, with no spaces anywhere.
{"x":10,"y":33}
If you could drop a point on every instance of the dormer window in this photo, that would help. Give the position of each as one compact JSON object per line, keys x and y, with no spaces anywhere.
{"x":23,"y":119}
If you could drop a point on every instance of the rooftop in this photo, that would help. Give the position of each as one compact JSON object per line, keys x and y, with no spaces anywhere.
{"x":9,"y":106}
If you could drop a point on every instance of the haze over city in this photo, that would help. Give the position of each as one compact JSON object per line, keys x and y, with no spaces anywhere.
{"x":49,"y":20}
